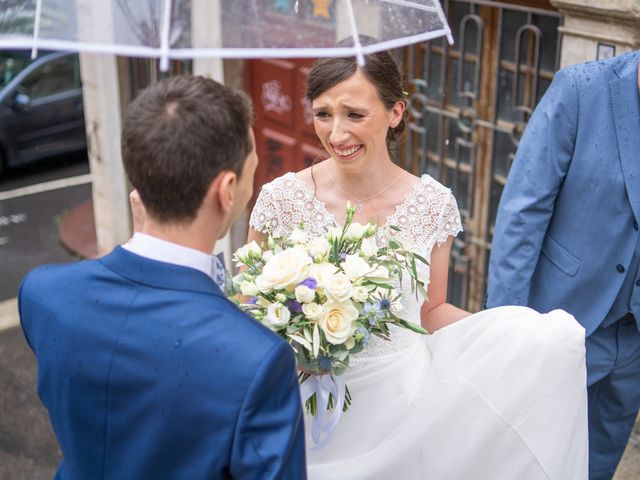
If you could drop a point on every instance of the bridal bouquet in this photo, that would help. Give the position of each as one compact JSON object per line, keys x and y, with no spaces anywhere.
{"x":326,"y":296}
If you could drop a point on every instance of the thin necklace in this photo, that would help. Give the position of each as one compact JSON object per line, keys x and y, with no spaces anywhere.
{"x":359,"y":202}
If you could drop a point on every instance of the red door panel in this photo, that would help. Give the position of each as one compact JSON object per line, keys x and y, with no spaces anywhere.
{"x":285,"y":139}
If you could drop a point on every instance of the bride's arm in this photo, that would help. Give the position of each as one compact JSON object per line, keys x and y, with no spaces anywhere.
{"x":436,"y":312}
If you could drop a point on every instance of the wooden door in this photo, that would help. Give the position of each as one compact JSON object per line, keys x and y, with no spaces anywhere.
{"x":285,"y":138}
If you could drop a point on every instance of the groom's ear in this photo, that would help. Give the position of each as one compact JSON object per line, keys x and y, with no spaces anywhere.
{"x":222,"y":191}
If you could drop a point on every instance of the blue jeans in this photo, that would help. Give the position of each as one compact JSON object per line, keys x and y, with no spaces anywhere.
{"x":613,"y":379}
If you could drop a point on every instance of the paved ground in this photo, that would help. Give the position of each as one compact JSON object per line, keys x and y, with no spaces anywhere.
{"x":28,"y":450}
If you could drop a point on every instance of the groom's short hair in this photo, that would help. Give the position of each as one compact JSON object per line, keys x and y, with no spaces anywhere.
{"x":178,"y":135}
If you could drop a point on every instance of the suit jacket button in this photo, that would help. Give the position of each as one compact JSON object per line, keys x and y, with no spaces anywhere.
{"x":637,"y":283}
{"x":635,"y":225}
{"x":620,"y":268}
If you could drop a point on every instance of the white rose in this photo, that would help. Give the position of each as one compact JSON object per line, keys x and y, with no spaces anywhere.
{"x":312,"y":310}
{"x":277,"y":314}
{"x":305,"y":294}
{"x":321,"y":272}
{"x":338,"y":288}
{"x":369,"y":247}
{"x":318,"y":247}
{"x":284,"y":270}
{"x":298,"y":236}
{"x":263,"y":284}
{"x":355,"y":232}
{"x":360,"y":294}
{"x":380,"y":272}
{"x":267,"y":255}
{"x":355,"y":267}
{"x":337,"y":321}
{"x":246,"y":252}
{"x":249,"y":288}
{"x":333,"y":233}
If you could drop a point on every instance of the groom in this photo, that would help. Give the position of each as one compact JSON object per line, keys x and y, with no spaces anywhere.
{"x":566,"y":234}
{"x":146,"y":369}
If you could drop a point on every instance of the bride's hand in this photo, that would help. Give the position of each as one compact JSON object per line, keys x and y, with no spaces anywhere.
{"x":138,"y":211}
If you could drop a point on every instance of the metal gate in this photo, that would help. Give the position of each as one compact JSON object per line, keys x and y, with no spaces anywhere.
{"x":469,"y":104}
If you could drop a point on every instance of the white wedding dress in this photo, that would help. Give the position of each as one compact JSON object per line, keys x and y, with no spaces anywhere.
{"x":498,"y":395}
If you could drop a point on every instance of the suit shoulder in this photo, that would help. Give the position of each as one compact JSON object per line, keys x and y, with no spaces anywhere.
{"x":55,"y":274}
{"x":589,"y":74}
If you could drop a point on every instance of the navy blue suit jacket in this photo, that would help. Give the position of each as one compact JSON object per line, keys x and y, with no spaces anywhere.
{"x":149,"y":372}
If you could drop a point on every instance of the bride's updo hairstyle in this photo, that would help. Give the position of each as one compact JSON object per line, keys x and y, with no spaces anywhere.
{"x":381,"y":70}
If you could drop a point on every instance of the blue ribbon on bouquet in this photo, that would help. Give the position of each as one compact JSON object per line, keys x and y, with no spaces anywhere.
{"x":324,"y":421}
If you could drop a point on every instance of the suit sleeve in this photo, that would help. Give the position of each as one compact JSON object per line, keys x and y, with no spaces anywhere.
{"x":269,"y":436}
{"x":526,"y":207}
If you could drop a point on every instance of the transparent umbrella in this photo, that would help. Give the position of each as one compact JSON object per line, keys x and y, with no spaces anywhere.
{"x":180,"y":29}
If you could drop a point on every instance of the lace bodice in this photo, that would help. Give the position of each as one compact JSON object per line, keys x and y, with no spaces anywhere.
{"x":428,"y":216}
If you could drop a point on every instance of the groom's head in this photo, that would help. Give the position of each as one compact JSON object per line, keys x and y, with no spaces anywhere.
{"x":184,"y":138}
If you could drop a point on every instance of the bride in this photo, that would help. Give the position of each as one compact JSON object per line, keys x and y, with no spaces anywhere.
{"x":495,"y":395}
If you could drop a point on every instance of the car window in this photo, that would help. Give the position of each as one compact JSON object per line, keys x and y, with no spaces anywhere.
{"x":10,"y":65}
{"x":56,"y":76}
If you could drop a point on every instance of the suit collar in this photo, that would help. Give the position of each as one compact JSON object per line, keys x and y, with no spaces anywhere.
{"x":627,"y":64}
{"x":625,"y":101}
{"x":158,"y":274}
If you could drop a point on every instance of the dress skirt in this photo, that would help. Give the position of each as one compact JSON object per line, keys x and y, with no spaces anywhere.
{"x":499,"y":395}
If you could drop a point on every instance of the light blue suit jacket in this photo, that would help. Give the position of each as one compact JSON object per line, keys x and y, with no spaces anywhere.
{"x":567,"y":224}
{"x":149,"y":372}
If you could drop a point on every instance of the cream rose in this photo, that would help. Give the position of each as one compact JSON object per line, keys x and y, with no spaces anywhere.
{"x":298,"y":236}
{"x":338,"y":288}
{"x":369,"y":247}
{"x":321,"y":272}
{"x":284,"y":270}
{"x":355,"y":267}
{"x":337,"y":321}
{"x":312,"y":310}
{"x":333,"y":233}
{"x":277,"y":315}
{"x":318,"y":247}
{"x":305,"y":294}
{"x":355,"y":232}
{"x":360,"y":294}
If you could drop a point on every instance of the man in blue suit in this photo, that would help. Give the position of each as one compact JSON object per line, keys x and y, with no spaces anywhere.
{"x":146,"y":369}
{"x":566,"y":234}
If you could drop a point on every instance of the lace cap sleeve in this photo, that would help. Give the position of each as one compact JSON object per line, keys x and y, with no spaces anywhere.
{"x":428,"y":216}
{"x":286,"y":203}
{"x":450,"y":223}
{"x":264,"y":215}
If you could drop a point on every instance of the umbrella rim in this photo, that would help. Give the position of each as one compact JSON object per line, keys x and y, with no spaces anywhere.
{"x":26,"y":42}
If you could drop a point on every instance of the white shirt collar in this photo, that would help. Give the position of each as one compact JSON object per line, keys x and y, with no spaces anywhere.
{"x":163,"y":251}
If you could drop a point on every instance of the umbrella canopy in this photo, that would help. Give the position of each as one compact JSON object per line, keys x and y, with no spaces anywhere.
{"x":180,"y":29}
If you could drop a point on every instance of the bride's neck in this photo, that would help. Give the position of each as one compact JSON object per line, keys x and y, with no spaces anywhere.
{"x":362,"y":181}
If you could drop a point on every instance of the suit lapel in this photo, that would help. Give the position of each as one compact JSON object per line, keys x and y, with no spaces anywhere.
{"x":158,"y":274}
{"x":625,"y":101}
